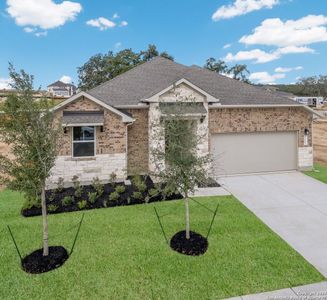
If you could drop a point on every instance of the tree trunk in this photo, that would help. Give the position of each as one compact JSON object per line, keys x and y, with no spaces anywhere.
{"x":45,"y":223}
{"x":187,"y":217}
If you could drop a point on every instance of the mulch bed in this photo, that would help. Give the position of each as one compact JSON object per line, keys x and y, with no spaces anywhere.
{"x":196,"y":245}
{"x":54,"y":198}
{"x":36,"y":263}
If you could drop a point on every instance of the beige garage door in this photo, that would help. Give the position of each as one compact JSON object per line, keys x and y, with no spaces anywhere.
{"x":240,"y":153}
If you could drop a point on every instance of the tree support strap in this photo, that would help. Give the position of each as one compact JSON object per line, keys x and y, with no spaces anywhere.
{"x":213,"y":218}
{"x":12,"y":237}
{"x":79,"y":227}
{"x":163,"y":232}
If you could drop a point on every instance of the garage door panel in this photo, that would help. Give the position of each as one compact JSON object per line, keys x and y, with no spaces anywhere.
{"x":238,"y":153}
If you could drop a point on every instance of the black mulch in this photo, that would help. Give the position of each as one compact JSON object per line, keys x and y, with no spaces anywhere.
{"x":196,"y":245}
{"x":36,"y":263}
{"x":125,"y":198}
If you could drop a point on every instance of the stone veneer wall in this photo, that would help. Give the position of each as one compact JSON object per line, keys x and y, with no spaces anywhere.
{"x":111,"y":144}
{"x":228,"y":120}
{"x":138,"y":142}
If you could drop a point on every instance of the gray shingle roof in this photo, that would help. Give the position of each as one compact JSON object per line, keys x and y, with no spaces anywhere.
{"x":151,"y":77}
{"x":87,"y":117}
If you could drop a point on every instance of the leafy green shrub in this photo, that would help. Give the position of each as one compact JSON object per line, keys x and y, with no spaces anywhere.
{"x":77,"y":186}
{"x":139,"y":183}
{"x":66,"y":201}
{"x":113,"y":178}
{"x":153,"y":192}
{"x":98,"y":186}
{"x":92,"y":197}
{"x":29,"y":203}
{"x":120,"y":189}
{"x":137,"y":195}
{"x":60,"y":185}
{"x":82,"y":204}
{"x":52,"y":208}
{"x":114,"y":196}
{"x":52,"y":196}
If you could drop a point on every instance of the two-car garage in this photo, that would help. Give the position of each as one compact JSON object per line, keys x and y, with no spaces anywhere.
{"x":255,"y":152}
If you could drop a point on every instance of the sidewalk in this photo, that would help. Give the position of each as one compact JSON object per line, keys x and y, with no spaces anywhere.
{"x":316,"y":291}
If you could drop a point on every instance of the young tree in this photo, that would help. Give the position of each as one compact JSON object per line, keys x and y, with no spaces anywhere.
{"x":178,"y":163}
{"x":27,"y":125}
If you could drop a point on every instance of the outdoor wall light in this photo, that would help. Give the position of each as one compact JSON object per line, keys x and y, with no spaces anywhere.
{"x":101,"y":128}
{"x":306,"y":136}
{"x":65,"y":130}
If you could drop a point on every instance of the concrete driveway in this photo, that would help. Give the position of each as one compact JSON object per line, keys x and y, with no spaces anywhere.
{"x":291,"y":204}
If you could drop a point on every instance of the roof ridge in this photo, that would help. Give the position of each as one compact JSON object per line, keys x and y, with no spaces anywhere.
{"x":132,"y":69}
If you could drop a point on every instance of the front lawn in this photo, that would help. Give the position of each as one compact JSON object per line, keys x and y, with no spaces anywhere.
{"x":121,"y":254}
{"x":319,"y":172}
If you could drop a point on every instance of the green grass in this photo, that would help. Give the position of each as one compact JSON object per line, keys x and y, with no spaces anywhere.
{"x":319,"y":172}
{"x":121,"y":254}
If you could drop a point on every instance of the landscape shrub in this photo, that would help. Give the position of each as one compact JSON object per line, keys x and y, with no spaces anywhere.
{"x":60,"y":185}
{"x":120,"y":189}
{"x":66,"y":201}
{"x":98,"y":186}
{"x":52,"y":196}
{"x":82,"y":204}
{"x":77,"y":186}
{"x":139,"y":183}
{"x":113,"y":178}
{"x":52,"y":208}
{"x":92,"y":197}
{"x":137,"y":195}
{"x":114,"y":196}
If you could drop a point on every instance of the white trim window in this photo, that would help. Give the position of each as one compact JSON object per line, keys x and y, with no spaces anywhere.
{"x":83,"y":141}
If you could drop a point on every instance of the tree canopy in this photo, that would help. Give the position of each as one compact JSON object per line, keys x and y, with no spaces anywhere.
{"x":102,"y":67}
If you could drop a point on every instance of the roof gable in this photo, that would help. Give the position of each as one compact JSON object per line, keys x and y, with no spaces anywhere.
{"x":125,"y":117}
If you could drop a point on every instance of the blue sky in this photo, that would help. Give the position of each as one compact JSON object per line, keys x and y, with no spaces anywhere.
{"x":49,"y":39}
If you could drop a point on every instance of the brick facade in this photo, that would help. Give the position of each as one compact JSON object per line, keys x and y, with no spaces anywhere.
{"x":138,"y":142}
{"x":228,"y":120}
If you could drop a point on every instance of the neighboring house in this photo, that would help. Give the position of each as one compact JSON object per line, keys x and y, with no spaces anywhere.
{"x":315,"y":102}
{"x":246,"y":129}
{"x":61,"y":89}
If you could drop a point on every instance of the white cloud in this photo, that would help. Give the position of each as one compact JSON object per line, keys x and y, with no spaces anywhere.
{"x":242,"y":7}
{"x":5,"y":83}
{"x":115,"y":16}
{"x":227,"y":46}
{"x":102,"y":23}
{"x":123,"y":23}
{"x":274,"y":32}
{"x":44,"y":14}
{"x":261,"y":57}
{"x":29,"y":29}
{"x":265,"y":77}
{"x":286,"y":70}
{"x":41,"y":33}
{"x":66,"y":79}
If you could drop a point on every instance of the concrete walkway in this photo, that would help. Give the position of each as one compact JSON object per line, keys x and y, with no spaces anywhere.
{"x":291,"y":204}
{"x":211,"y":191}
{"x":316,"y":291}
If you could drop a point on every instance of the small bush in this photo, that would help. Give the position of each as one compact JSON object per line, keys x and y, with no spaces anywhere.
{"x":137,"y":195}
{"x":82,"y":204}
{"x":113,"y":178}
{"x":60,"y":185}
{"x":66,"y":201}
{"x":52,"y":196}
{"x":77,"y":186}
{"x":105,"y":203}
{"x":29,"y":203}
{"x":114,"y":196}
{"x":120,"y":189}
{"x":129,"y":200}
{"x":153,"y":192}
{"x":52,"y":208}
{"x":92,"y":197}
{"x":98,"y":186}
{"x":139,"y":183}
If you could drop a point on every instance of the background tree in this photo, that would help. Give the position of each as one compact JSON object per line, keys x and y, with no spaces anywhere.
{"x":314,"y":86}
{"x":27,"y":125}
{"x":178,"y":163}
{"x":238,"y":72}
{"x":102,"y":67}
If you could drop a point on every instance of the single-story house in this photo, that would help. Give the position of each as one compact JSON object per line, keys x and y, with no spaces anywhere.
{"x":61,"y":89}
{"x":246,"y":129}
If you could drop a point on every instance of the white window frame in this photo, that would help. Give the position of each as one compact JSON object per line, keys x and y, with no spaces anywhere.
{"x":87,"y":141}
